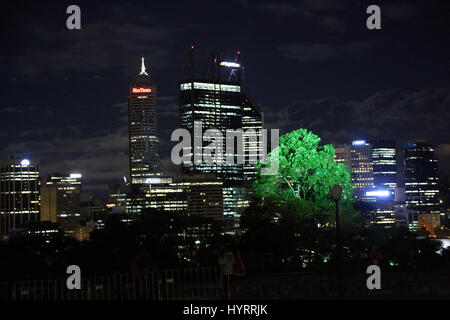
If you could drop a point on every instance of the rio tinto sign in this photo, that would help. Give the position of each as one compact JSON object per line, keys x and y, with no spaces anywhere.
{"x":141,"y":90}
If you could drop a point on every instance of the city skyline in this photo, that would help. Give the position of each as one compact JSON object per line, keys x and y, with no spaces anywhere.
{"x":229,"y":150}
{"x":318,"y":79}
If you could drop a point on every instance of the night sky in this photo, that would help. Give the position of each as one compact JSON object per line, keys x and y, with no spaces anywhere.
{"x":310,"y":64}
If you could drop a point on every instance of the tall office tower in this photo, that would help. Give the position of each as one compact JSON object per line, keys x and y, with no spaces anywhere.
{"x":252,"y":124}
{"x":60,"y":199}
{"x":142,"y":129}
{"x":211,"y":97}
{"x":384,"y":164}
{"x":117,"y":197}
{"x":421,"y":186}
{"x":376,"y":202}
{"x":19,"y":194}
{"x":204,"y":194}
{"x":385,"y":182}
{"x":160,"y":193}
{"x":361,"y":168}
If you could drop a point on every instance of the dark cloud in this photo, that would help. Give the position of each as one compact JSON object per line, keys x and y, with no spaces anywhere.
{"x":306,"y":8}
{"x":401,"y":10}
{"x":98,"y":49}
{"x":389,"y":114}
{"x":325,"y":51}
{"x":321,"y":14}
{"x":101,"y":157}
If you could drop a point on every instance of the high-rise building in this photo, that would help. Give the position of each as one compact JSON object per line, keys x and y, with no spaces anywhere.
{"x":60,"y":201}
{"x":117,"y":197}
{"x":375,"y":197}
{"x":204,"y":195}
{"x":143,"y":138}
{"x":384,"y":164}
{"x":212,"y":97}
{"x":158,"y":193}
{"x":19,"y":194}
{"x":165,"y":196}
{"x":252,"y":124}
{"x":422,"y":186}
{"x":361,"y":168}
{"x":60,"y":197}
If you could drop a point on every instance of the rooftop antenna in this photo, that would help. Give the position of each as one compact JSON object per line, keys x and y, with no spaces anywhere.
{"x":233,"y":70}
{"x":143,"y":67}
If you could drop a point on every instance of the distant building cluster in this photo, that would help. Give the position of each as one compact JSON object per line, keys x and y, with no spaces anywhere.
{"x":51,"y":205}
{"x":215,"y":97}
{"x":394,"y":186}
{"x":211,"y":92}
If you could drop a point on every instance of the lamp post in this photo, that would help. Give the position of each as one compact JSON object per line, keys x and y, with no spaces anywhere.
{"x":336,"y":192}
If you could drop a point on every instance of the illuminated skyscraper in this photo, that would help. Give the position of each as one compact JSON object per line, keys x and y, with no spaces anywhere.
{"x":60,"y":200}
{"x":421,"y":186}
{"x":252,"y":124}
{"x":384,"y":164}
{"x":375,"y":197}
{"x":163,"y":196}
{"x":212,"y":97}
{"x":142,"y":129}
{"x":385,"y":182}
{"x":204,"y":194}
{"x":19,"y":194}
{"x":361,"y":167}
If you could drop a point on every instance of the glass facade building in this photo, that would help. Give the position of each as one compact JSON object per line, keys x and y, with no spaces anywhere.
{"x":361,"y":168}
{"x":252,"y":124}
{"x":19,"y":194}
{"x":60,"y":197}
{"x":384,"y":164}
{"x":217,"y":106}
{"x":204,"y":194}
{"x":422,"y":186}
{"x":164,"y":196}
{"x":374,"y":177}
{"x":143,"y":139}
{"x":215,"y":100}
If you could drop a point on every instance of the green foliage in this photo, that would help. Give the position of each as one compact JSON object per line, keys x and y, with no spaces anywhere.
{"x":306,"y":173}
{"x":290,"y":223}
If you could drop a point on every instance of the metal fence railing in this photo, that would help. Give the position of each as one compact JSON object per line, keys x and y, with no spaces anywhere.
{"x":177,"y":284}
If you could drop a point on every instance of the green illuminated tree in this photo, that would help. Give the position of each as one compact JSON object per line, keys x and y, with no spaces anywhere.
{"x":305,"y":175}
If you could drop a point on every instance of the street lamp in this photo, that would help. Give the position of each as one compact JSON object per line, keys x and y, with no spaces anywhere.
{"x":336,"y":192}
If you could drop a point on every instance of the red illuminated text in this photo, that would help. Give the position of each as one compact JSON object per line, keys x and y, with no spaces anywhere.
{"x":141,"y":90}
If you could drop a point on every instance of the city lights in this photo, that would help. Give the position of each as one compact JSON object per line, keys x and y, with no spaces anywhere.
{"x":378,"y":193}
{"x":359,"y":142}
{"x":230,"y":64}
{"x":137,"y":149}
{"x":142,"y":90}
